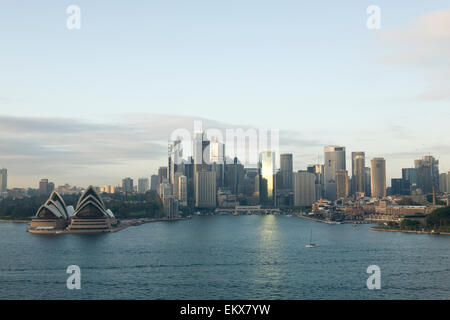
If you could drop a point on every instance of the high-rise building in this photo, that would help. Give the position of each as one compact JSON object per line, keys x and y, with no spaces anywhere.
{"x":165,"y":189}
{"x":217,"y":151}
{"x":188,"y":170}
{"x":202,"y":151}
{"x":378,"y":177}
{"x":358,"y":172}
{"x":143,"y":185}
{"x":3,"y":182}
{"x":304,"y":184}
{"x":175,"y":158}
{"x":127,"y":185}
{"x":334,"y":157}
{"x":397,"y":187}
{"x":205,"y":189}
{"x":342,"y":188}
{"x":220,"y":170}
{"x":409,"y":177}
{"x":267,"y":185}
{"x":170,"y":206}
{"x":427,"y":174}
{"x":443,"y":182}
{"x":51,"y":187}
{"x":46,"y":187}
{"x":286,"y":171}
{"x":368,"y":181}
{"x":201,"y":159}
{"x":162,"y":174}
{"x":234,"y":176}
{"x":317,"y":170}
{"x":248,"y":184}
{"x":217,"y":156}
{"x":448,"y":182}
{"x":176,"y":181}
{"x":154,"y":182}
{"x":182,"y":190}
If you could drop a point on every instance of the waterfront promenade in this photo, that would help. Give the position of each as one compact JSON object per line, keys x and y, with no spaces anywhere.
{"x":123,"y":224}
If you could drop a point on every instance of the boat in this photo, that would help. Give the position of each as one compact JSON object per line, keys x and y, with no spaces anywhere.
{"x":310,"y":245}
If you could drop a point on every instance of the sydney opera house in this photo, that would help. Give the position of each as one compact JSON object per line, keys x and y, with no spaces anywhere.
{"x":89,"y":216}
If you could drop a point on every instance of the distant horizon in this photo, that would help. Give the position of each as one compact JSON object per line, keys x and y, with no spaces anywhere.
{"x":161,"y":161}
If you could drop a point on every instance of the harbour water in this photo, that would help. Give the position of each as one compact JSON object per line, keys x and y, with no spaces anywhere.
{"x":225,"y":257}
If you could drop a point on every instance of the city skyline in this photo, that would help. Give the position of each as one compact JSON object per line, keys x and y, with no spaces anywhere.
{"x":118,"y":178}
{"x":271,"y":152}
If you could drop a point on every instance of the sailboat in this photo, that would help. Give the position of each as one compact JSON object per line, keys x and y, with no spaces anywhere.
{"x":310,"y":245}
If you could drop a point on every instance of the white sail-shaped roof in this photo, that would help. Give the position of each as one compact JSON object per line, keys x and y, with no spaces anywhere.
{"x":54,"y":208}
{"x":91,"y":204}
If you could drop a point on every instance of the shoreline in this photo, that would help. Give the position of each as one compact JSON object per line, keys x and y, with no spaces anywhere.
{"x":333,"y":222}
{"x":411,"y":231}
{"x":121,"y":226}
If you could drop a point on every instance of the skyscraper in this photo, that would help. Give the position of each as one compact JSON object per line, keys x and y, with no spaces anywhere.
{"x":202,"y":152}
{"x":165,"y":189}
{"x":127,"y":185}
{"x":202,"y":159}
{"x":234,"y":175}
{"x":3,"y":181}
{"x":188,"y":170}
{"x":217,"y":151}
{"x":267,"y":176}
{"x":378,"y":178}
{"x":358,"y":172}
{"x":154,"y":181}
{"x":143,"y":185}
{"x":286,"y":170}
{"x":46,"y":187}
{"x":342,"y":184}
{"x":317,"y":170}
{"x":427,"y":174}
{"x":170,"y":206}
{"x":397,"y":187}
{"x":182,"y":190}
{"x":304,"y":188}
{"x":176,"y":181}
{"x":205,"y":189}
{"x":409,"y":177}
{"x":368,"y":182}
{"x":217,"y":156}
{"x":334,"y":157}
{"x":162,"y":174}
{"x":448,"y":182}
{"x":175,"y":159}
{"x":443,"y":178}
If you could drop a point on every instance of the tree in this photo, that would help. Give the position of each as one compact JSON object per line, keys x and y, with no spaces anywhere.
{"x":439,"y":219}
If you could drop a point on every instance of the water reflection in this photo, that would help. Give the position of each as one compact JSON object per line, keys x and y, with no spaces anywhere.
{"x":268,"y":268}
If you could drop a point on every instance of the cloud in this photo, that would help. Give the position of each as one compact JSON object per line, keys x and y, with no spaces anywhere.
{"x":37,"y":147}
{"x":424,"y":44}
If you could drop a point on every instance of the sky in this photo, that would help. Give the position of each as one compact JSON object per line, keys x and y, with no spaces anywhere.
{"x":94,"y":105}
